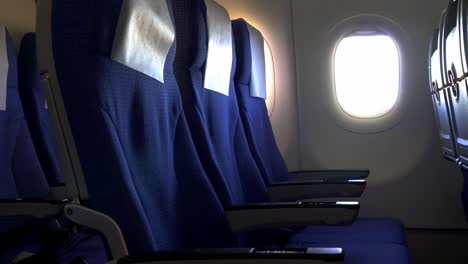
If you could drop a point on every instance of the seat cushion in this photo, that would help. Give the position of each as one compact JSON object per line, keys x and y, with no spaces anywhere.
{"x":89,"y":248}
{"x":368,"y":230}
{"x":359,"y":252}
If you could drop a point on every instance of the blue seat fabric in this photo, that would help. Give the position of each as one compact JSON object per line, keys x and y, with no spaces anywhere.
{"x":132,"y":137}
{"x":215,"y":122}
{"x":254,"y":113}
{"x":365,"y":252}
{"x":34,"y":104}
{"x":134,"y":142}
{"x":366,"y":240}
{"x":263,"y":146}
{"x":22,"y":176}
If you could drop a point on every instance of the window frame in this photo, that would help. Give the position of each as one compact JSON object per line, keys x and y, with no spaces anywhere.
{"x":347,"y":27}
{"x":369,"y":34}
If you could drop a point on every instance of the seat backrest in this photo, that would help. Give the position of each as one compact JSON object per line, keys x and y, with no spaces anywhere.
{"x":452,"y":42}
{"x":114,"y":64}
{"x":205,"y":67}
{"x":456,"y":70}
{"x":35,"y":110}
{"x":441,"y":97}
{"x":454,"y":73}
{"x":251,"y":90}
{"x":21,"y":174}
{"x":463,"y":27}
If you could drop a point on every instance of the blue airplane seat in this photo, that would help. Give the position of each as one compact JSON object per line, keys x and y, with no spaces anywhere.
{"x":22,"y":176}
{"x":35,"y":110}
{"x":126,"y":117}
{"x":440,"y":95}
{"x":87,"y":246}
{"x":263,"y":146}
{"x":254,"y":113}
{"x":440,"y":101}
{"x":256,"y":122}
{"x":456,"y":65}
{"x":214,"y":116}
{"x":217,"y":130}
{"x":258,"y":129}
{"x":262,"y":143}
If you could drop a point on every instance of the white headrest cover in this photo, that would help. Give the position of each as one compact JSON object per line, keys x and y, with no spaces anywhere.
{"x":258,"y":75}
{"x":144,"y":36}
{"x":219,"y":59}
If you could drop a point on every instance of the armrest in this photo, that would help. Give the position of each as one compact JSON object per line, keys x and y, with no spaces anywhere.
{"x":303,"y":190}
{"x":243,"y":255}
{"x":274,"y":215}
{"x":33,"y":208}
{"x":329,"y":175}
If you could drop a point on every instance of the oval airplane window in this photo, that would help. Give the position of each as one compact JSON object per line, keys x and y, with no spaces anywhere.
{"x":367,"y":74}
{"x":270,"y":78}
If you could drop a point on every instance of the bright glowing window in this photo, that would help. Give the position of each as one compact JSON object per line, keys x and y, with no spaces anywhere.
{"x":367,"y":75}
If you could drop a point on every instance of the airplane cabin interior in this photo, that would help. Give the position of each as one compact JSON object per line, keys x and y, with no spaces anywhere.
{"x":234,"y":131}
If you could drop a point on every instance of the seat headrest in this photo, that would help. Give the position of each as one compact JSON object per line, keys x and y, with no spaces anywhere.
{"x":219,"y":59}
{"x":258,"y":75}
{"x":4,"y":65}
{"x":144,"y":36}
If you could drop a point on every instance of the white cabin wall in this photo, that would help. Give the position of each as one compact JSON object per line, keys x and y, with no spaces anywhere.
{"x":19,"y":16}
{"x":409,"y":179}
{"x":273,"y":19}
